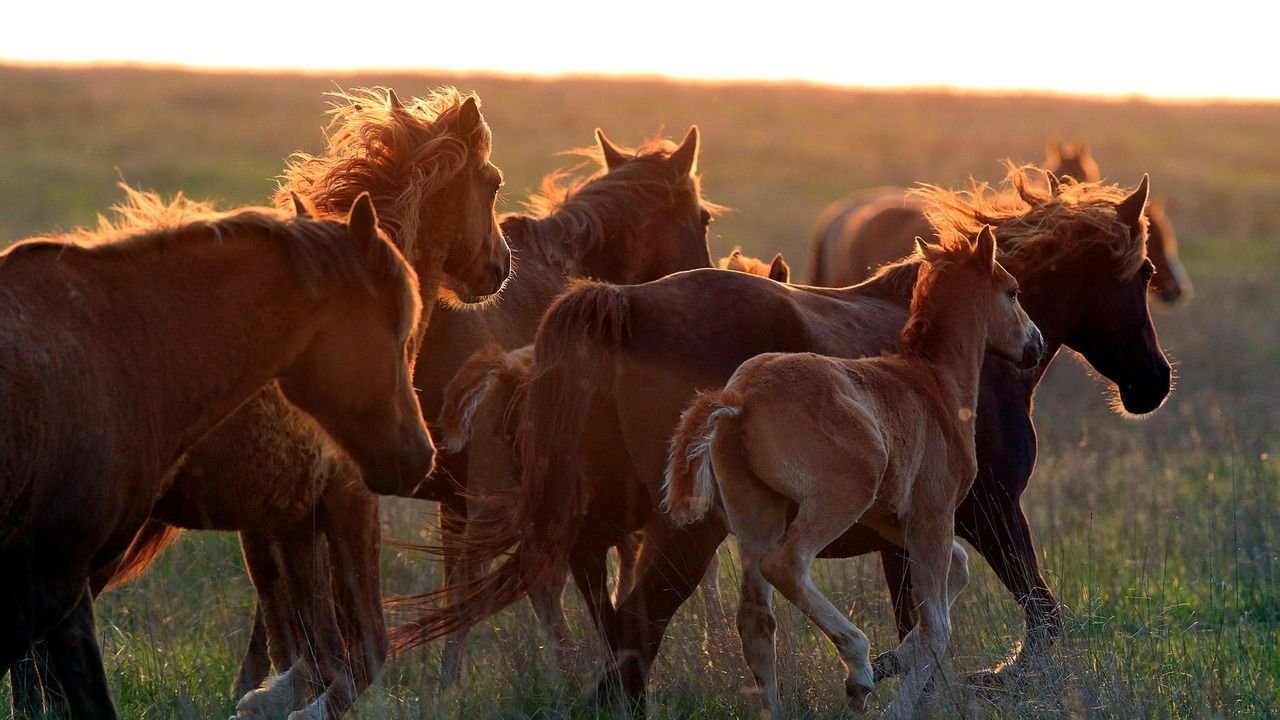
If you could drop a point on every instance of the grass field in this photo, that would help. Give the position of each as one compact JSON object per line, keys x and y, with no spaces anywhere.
{"x":1161,"y":537}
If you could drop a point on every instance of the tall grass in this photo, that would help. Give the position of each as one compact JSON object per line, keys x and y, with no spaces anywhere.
{"x":1160,"y":537}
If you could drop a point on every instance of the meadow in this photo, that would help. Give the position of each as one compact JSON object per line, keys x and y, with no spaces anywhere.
{"x":1161,"y":537}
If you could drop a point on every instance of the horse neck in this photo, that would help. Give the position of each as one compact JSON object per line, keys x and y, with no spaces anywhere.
{"x":949,"y":338}
{"x":210,"y":320}
{"x":1051,"y":298}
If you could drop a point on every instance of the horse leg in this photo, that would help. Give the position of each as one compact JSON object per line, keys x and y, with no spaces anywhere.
{"x":671,"y":562}
{"x":289,"y":569}
{"x":759,"y":519}
{"x":353,"y":529}
{"x":788,"y":566}
{"x":255,"y":666}
{"x":589,"y":563}
{"x":73,"y":682}
{"x":887,"y":664}
{"x":938,"y":573}
{"x":628,"y":549}
{"x":997,"y":528}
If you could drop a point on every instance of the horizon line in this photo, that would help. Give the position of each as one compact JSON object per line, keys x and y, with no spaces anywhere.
{"x":1112,"y":97}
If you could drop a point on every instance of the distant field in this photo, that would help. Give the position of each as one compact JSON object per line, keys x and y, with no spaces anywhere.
{"x":1161,"y":537}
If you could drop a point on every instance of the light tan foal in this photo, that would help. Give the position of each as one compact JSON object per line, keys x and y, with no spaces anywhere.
{"x":887,"y":442}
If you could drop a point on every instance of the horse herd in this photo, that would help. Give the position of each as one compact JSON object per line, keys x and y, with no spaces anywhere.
{"x":598,"y":387}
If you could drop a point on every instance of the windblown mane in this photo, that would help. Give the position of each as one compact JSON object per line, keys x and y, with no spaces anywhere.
{"x":399,"y":155}
{"x":580,"y":206}
{"x":1035,"y":228}
{"x":954,"y":249}
{"x":317,"y":249}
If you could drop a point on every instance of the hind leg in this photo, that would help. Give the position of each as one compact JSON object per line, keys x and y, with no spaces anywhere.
{"x":788,"y":566}
{"x":758,"y":518}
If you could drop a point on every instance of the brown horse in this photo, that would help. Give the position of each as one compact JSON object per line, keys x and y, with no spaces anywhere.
{"x":802,"y":446}
{"x":481,"y":404}
{"x":872,"y":228}
{"x":221,"y":305}
{"x":263,"y":473}
{"x":615,"y":366}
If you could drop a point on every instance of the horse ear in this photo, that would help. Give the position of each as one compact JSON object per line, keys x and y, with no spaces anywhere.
{"x":1055,"y":185}
{"x":613,"y":157}
{"x":300,"y":206}
{"x":779,"y":269}
{"x":393,"y":101}
{"x":685,"y":157}
{"x":469,"y":115}
{"x":927,"y":250}
{"x":362,"y":221}
{"x":1130,"y":210}
{"x":984,"y":250}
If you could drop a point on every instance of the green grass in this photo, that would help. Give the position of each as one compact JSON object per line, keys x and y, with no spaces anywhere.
{"x":1160,"y":537}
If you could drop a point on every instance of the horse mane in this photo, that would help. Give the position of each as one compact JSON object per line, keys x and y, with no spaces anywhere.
{"x":399,"y":154}
{"x":316,"y":249}
{"x":570,"y":213}
{"x":953,"y":250}
{"x":1035,"y":227}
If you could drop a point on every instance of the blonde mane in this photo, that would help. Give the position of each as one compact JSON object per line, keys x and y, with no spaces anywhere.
{"x":316,"y":249}
{"x":1036,"y":228}
{"x":582,"y":204}
{"x":398,"y":154}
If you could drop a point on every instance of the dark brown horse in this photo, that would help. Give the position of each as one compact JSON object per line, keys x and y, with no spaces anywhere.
{"x":614,"y":367}
{"x":123,"y":347}
{"x":639,"y":219}
{"x":482,"y":404}
{"x":300,"y":508}
{"x":872,"y":228}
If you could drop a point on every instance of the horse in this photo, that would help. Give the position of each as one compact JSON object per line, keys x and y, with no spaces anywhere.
{"x":480,"y":405}
{"x":426,"y":165}
{"x":872,"y":228}
{"x":615,"y":366}
{"x":222,"y":305}
{"x":777,"y":269}
{"x":799,"y":447}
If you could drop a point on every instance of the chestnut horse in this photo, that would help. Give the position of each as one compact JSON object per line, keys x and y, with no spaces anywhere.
{"x":220,"y":304}
{"x":615,"y":366}
{"x":871,"y":228}
{"x":298,"y":507}
{"x":481,"y":403}
{"x":800,"y":447}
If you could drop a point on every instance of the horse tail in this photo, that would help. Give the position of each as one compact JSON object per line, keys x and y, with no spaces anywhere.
{"x":690,"y":479}
{"x":571,"y":359}
{"x":469,"y":389}
{"x":147,"y":545}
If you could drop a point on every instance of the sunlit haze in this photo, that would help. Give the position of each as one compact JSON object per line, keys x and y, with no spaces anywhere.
{"x":1094,"y":48}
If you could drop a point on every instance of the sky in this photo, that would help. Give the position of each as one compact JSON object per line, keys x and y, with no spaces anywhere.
{"x":1155,"y":50}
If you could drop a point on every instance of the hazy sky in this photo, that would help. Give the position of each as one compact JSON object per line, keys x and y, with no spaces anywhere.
{"x":1201,"y":50}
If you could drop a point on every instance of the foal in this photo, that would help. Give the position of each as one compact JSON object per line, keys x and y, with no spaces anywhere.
{"x":887,"y":441}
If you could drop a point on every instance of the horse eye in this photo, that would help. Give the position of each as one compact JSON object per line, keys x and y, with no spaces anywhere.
{"x":1012,"y":294}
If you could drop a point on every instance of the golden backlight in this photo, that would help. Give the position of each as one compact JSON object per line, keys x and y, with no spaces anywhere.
{"x":1089,"y":48}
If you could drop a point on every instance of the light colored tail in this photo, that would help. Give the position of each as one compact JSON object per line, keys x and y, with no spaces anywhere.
{"x":473,"y":385}
{"x":690,"y":480}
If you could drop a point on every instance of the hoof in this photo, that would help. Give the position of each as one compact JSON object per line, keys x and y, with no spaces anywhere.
{"x":856,"y":695}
